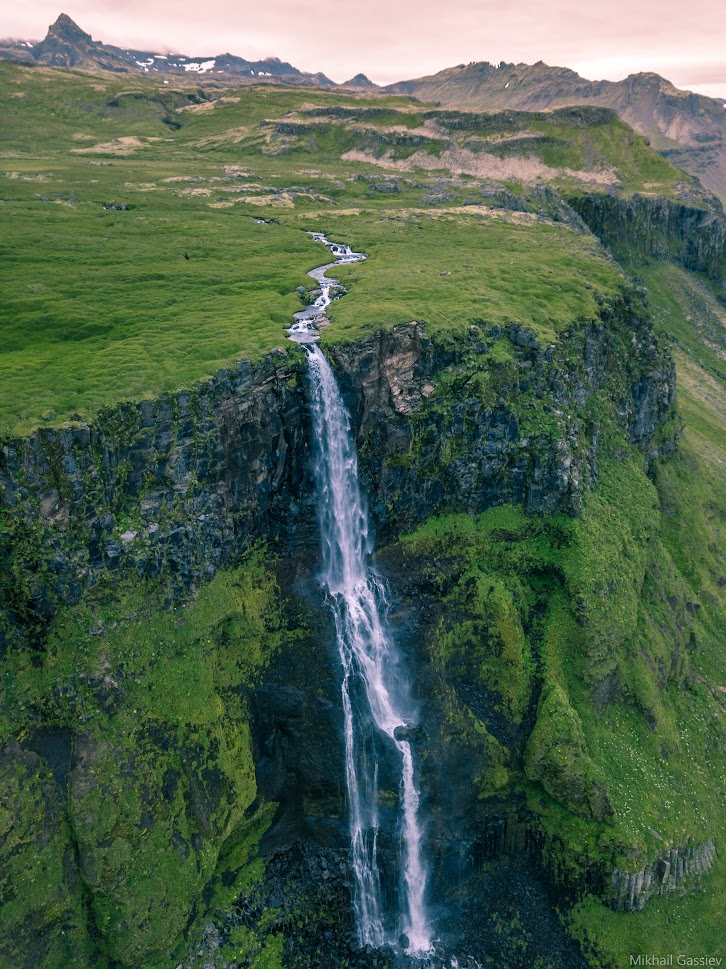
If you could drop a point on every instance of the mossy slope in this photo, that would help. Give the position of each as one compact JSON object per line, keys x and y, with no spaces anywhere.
{"x":159,"y":773}
{"x":618,"y":614}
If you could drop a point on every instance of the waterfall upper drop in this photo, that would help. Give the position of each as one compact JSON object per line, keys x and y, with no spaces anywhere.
{"x":374,"y":689}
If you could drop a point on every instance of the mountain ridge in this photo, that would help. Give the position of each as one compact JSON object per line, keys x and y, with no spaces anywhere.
{"x":687,"y":128}
{"x":67,"y":45}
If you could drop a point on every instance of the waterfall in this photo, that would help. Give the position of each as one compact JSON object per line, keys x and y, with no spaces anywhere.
{"x":376,"y":703}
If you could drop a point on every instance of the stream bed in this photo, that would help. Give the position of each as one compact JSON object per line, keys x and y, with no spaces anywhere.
{"x":309,"y":322}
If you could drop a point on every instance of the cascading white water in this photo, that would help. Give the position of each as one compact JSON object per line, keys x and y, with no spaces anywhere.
{"x":374,"y":691}
{"x":308,"y":321}
{"x":374,"y":694}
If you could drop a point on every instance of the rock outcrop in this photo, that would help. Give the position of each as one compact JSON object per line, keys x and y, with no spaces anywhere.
{"x":677,"y":870}
{"x":656,"y":227}
{"x":66,"y":45}
{"x":172,"y":486}
{"x":557,"y":757}
{"x":498,"y":417}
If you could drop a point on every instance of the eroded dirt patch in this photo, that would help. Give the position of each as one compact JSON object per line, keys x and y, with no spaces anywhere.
{"x":125,"y":145}
{"x":482,"y":165}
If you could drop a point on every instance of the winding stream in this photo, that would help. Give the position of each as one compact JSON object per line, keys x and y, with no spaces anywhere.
{"x":312,"y":318}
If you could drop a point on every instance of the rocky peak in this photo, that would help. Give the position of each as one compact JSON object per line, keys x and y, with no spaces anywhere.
{"x":68,"y":30}
{"x":66,"y":45}
{"x":360,"y":80}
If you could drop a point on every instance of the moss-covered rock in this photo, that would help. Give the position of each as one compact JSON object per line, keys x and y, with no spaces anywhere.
{"x":149,"y":810}
{"x":643,"y":226}
{"x":557,"y":757}
{"x":175,"y":486}
{"x":613,"y":543}
{"x":159,"y":772}
{"x":42,"y":916}
{"x":494,"y":758}
{"x":490,"y":641}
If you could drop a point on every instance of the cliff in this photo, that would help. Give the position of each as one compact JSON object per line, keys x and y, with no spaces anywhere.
{"x":676,"y":870}
{"x":654,"y":227}
{"x":196,"y":726}
{"x":180,"y":485}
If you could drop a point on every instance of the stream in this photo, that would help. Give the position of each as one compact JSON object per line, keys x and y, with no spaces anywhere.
{"x":309,"y":321}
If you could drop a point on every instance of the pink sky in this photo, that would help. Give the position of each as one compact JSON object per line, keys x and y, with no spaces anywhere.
{"x":393,"y":40}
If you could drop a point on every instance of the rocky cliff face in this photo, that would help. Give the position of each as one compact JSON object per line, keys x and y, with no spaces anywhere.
{"x":657,"y":228}
{"x":498,"y":417}
{"x":173,"y":486}
{"x":178,"y":486}
{"x":676,"y":870}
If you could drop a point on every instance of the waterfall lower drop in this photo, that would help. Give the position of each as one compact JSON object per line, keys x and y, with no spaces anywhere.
{"x":374,"y":690}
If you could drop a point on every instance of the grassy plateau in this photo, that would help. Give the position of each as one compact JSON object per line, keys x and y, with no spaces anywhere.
{"x":102,"y":303}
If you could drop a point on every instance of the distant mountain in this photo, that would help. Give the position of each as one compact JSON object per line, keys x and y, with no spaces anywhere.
{"x":17,"y":50}
{"x":689,"y":129}
{"x":360,"y":81}
{"x":66,"y":45}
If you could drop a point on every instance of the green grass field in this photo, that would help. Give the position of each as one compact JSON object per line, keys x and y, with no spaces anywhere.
{"x":101,"y":304}
{"x":450,"y":269}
